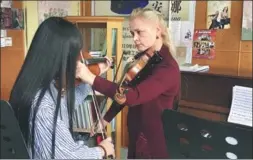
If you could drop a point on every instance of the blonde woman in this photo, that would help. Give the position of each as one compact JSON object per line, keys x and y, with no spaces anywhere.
{"x":147,"y":100}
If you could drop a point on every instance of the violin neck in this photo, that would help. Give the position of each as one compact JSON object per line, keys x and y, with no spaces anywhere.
{"x":94,"y":61}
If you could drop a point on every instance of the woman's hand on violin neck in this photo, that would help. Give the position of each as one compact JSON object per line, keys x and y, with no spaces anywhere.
{"x":105,"y":66}
{"x":84,"y":74}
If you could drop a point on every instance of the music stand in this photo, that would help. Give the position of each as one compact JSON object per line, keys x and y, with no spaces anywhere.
{"x":195,"y":138}
{"x":12,"y":142}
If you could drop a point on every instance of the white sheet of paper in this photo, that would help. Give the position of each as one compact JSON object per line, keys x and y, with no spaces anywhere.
{"x":8,"y":41}
{"x":3,"y":33}
{"x":2,"y":42}
{"x":241,"y":108}
{"x":6,"y":4}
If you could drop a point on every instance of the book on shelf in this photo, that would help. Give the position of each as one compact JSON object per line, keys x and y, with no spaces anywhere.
{"x":193,"y":67}
{"x":85,"y":115}
{"x":241,"y":107}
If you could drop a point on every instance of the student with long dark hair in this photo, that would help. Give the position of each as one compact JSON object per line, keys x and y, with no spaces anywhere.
{"x":44,"y":95}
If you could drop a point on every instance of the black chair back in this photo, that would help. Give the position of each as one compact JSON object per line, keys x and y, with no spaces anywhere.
{"x":12,"y":142}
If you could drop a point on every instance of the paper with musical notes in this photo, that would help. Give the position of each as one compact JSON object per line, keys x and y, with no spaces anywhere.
{"x":241,"y":107}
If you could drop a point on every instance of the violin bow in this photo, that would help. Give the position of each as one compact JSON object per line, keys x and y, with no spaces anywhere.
{"x":98,"y":115}
{"x":114,"y":78}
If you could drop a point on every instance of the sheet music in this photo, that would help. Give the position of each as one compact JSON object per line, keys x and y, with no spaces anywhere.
{"x":241,"y":108}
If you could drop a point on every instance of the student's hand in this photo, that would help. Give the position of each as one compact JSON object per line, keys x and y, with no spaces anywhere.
{"x":105,"y":66}
{"x":97,"y":128}
{"x":84,"y":74}
{"x":108,"y":146}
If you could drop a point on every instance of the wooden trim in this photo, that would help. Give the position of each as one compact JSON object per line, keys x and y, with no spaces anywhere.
{"x":213,"y":73}
{"x":85,"y":8}
{"x":204,"y":107}
{"x":94,"y":19}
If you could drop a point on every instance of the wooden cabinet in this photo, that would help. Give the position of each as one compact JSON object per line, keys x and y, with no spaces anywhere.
{"x":85,"y":24}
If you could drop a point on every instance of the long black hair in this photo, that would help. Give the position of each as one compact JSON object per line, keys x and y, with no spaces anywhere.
{"x":52,"y":54}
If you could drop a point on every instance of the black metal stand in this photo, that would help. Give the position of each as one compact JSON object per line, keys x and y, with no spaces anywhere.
{"x":195,"y":138}
{"x":12,"y":142}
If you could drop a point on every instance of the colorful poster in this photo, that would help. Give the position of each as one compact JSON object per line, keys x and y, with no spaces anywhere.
{"x":17,"y":18}
{"x":218,"y":14}
{"x":204,"y":44}
{"x":6,"y":18}
{"x":48,"y":9}
{"x":124,"y":8}
{"x":247,"y":21}
{"x":12,"y":18}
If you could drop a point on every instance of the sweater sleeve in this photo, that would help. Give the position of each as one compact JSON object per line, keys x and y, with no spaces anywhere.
{"x":164,"y":78}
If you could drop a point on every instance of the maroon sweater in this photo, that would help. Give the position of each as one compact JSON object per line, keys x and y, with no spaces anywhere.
{"x":146,"y":102}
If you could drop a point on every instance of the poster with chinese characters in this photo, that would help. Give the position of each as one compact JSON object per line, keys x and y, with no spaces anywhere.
{"x":247,"y":21}
{"x":181,"y":28}
{"x":204,"y":44}
{"x":218,"y":14}
{"x":179,"y":10}
{"x":47,"y":9}
{"x":124,"y":8}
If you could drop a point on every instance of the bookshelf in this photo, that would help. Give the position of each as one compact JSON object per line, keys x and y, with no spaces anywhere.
{"x":112,"y":43}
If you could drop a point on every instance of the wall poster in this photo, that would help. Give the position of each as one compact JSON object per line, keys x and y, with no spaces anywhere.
{"x":218,"y":14}
{"x":181,"y":27}
{"x":247,"y":20}
{"x":124,"y":8}
{"x":12,"y":18}
{"x":6,"y":3}
{"x":204,"y":44}
{"x":47,"y":9}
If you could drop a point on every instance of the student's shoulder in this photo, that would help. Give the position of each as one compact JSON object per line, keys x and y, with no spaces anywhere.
{"x":47,"y":100}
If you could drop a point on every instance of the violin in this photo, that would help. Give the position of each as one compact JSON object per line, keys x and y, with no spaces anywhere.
{"x":91,"y":63}
{"x":136,"y":71}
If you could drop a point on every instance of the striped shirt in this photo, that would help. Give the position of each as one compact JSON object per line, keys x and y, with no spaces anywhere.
{"x":65,"y":146}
